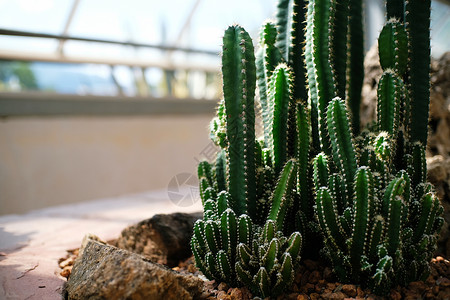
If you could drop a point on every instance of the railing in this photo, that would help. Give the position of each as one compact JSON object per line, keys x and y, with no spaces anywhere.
{"x":42,"y":103}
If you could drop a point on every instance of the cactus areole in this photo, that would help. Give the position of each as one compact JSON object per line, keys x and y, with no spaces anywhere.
{"x":314,"y":172}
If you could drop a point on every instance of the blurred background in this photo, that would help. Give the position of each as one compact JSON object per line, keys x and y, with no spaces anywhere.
{"x":101,"y":98}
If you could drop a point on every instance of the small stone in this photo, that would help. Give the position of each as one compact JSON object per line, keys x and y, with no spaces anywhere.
{"x":309,"y":287}
{"x":435,"y":289}
{"x":429,"y":295}
{"x":66,"y":272}
{"x":395,"y":295}
{"x":445,"y":282}
{"x":222,"y":295}
{"x":328,"y":274}
{"x":305,"y":278}
{"x":336,"y":295}
{"x":314,"y":296}
{"x":302,"y":297}
{"x":360,"y":292}
{"x":331,"y":286}
{"x":445,"y":294}
{"x":223,"y":286}
{"x":349,"y":290}
{"x":417,"y":286}
{"x":236,"y":293}
{"x":246,"y":294}
{"x":314,"y":277}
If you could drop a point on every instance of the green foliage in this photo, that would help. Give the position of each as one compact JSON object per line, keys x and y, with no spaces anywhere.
{"x":313,"y":171}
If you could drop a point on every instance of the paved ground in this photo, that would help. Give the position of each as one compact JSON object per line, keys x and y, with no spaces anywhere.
{"x":31,"y":244}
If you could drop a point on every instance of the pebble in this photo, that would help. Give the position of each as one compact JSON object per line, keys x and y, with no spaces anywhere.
{"x":223,"y":286}
{"x":314,"y":277}
{"x":395,"y":295}
{"x":349,"y":290}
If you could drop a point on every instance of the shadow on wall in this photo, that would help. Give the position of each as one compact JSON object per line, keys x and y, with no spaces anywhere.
{"x":60,"y":160}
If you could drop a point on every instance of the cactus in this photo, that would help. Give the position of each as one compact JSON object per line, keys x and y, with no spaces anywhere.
{"x":244,"y":237}
{"x":313,"y":170}
{"x":376,"y":213}
{"x":393,"y":222}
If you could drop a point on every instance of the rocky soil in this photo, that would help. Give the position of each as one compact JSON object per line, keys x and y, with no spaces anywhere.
{"x":100,"y":270}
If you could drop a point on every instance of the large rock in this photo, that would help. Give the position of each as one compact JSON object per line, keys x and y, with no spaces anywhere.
{"x":163,"y":239}
{"x":105,"y":272}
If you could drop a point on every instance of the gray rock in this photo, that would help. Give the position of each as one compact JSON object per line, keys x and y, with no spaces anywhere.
{"x":106,"y":272}
{"x":164,"y":239}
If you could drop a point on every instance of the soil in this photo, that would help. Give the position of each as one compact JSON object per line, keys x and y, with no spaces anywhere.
{"x":314,"y":280}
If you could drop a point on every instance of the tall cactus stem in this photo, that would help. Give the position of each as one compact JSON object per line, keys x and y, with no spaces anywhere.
{"x":418,"y":28}
{"x":344,"y":155}
{"x":239,"y":82}
{"x":362,"y":202}
{"x":317,"y":56}
{"x":355,"y":63}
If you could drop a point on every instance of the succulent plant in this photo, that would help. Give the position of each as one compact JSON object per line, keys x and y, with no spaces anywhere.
{"x":251,"y":189}
{"x":313,"y":170}
{"x":378,"y":216}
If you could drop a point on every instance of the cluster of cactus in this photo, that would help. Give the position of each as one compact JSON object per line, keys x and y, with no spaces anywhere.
{"x":313,"y":171}
{"x":249,"y":193}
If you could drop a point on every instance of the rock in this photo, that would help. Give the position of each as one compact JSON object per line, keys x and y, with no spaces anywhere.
{"x":395,"y":295}
{"x":314,"y":277}
{"x":223,"y":286}
{"x":333,"y":295}
{"x":349,"y":290}
{"x":164,"y":239}
{"x":105,"y":272}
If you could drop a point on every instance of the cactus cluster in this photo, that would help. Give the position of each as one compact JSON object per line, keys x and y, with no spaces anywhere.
{"x":249,"y":193}
{"x":314,"y":178}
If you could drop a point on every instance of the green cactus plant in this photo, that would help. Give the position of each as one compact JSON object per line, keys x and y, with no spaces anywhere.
{"x":313,"y":170}
{"x":378,"y":237}
{"x":244,"y":237}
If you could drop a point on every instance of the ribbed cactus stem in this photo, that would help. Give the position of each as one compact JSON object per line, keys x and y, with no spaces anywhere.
{"x":239,"y":77}
{"x":390,"y":93}
{"x":327,"y":212}
{"x":220,"y":171}
{"x":363,"y":200}
{"x":375,"y":237}
{"x":317,"y":56}
{"x":339,"y":49}
{"x":417,"y":20}
{"x":344,"y":155}
{"x":393,"y":47}
{"x":283,"y":20}
{"x":320,"y":171}
{"x":280,"y":93}
{"x":356,"y":62}
{"x":394,"y":224}
{"x":267,"y":58}
{"x":303,"y":157}
{"x":296,"y":59}
{"x":281,"y":196}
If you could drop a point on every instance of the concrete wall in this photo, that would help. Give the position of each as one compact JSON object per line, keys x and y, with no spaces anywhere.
{"x":46,"y":161}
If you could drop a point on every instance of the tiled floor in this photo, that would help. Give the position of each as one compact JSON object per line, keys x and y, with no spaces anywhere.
{"x":31,"y":244}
